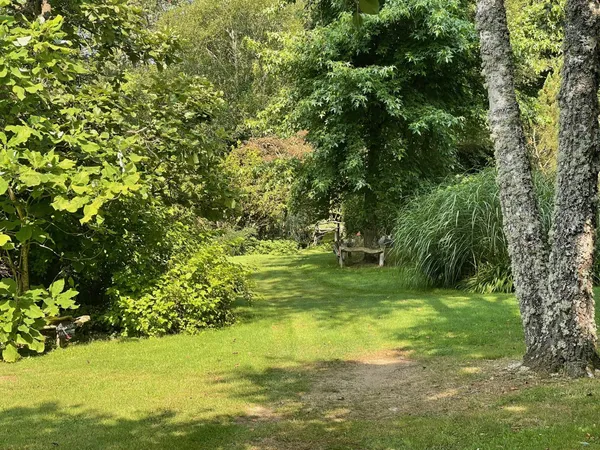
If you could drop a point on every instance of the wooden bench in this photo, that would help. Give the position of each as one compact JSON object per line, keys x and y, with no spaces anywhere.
{"x":343,"y":250}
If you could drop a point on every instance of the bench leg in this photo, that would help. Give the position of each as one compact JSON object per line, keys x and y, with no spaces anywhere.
{"x":341,"y":258}
{"x":381,"y":259}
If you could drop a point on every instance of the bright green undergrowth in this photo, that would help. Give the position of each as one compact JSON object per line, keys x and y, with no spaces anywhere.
{"x":193,"y":392}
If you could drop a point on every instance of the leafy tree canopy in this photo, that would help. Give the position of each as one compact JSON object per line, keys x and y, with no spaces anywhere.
{"x":386,"y":104}
{"x":218,"y":43}
{"x":86,"y":121}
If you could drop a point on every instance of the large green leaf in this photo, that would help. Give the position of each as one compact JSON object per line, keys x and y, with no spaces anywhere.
{"x":31,"y":178}
{"x":20,"y":92}
{"x":8,"y":285}
{"x":57,"y":287}
{"x":24,"y":234}
{"x":4,"y":239}
{"x":89,"y":211}
{"x":10,"y":353}
{"x":22,"y":41}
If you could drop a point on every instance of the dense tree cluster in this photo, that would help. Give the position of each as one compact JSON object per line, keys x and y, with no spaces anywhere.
{"x":103,"y":145}
{"x":144,"y":141}
{"x":387,"y":105}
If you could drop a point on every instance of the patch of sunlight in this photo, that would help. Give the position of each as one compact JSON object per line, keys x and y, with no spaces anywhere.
{"x":386,"y":361}
{"x":470,"y":370}
{"x":338,"y":414}
{"x":442,"y":395}
{"x":515,"y":408}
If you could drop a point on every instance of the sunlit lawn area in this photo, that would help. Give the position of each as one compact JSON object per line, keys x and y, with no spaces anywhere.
{"x":324,"y":359}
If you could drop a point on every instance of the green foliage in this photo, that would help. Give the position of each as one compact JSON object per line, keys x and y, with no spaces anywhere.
{"x":244,"y":242}
{"x":23,"y":314}
{"x":95,"y":138}
{"x":536,"y":36}
{"x":111,"y":34}
{"x":219,"y":41}
{"x":196,"y":292}
{"x":543,"y":129}
{"x":54,"y":159}
{"x":136,"y":245}
{"x":386,"y":105}
{"x":254,"y":246}
{"x":172,"y":116}
{"x":263,"y":171}
{"x":488,"y":279}
{"x":454,"y":235}
{"x":536,"y":33}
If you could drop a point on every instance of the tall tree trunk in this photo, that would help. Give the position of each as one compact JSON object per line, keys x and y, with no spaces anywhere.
{"x":522,"y":221}
{"x":557,"y":302}
{"x":569,"y":334}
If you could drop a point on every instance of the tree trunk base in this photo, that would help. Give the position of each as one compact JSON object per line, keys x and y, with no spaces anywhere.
{"x":577,"y":365}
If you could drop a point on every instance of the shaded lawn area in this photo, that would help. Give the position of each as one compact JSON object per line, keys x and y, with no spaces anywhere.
{"x":324,"y":359}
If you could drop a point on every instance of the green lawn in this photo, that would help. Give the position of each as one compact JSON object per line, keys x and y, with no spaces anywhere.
{"x":324,"y":359}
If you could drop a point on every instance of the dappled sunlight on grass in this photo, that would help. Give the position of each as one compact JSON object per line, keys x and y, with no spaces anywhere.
{"x":324,"y":359}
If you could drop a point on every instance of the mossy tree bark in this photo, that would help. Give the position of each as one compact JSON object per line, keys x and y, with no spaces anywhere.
{"x":555,"y":293}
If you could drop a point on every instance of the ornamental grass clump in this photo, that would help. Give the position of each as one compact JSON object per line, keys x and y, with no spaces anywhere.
{"x":453,"y":233}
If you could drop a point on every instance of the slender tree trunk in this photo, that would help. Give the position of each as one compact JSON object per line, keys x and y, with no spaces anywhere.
{"x":22,"y":275}
{"x":522,"y":221}
{"x":569,"y":334}
{"x":24,"y":269}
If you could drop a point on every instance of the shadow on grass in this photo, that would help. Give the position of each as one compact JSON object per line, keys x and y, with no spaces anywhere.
{"x":51,"y":426}
{"x":428,"y":321}
{"x":376,"y":404}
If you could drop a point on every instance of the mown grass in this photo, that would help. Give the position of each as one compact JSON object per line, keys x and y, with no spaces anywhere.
{"x":199,"y":392}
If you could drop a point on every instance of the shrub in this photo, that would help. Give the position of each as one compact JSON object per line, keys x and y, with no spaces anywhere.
{"x":23,"y":315}
{"x":453,"y":234}
{"x":244,"y":242}
{"x":196,"y":292}
{"x":263,"y":171}
{"x":137,"y":241}
{"x":489,"y":278}
{"x":253,"y":246}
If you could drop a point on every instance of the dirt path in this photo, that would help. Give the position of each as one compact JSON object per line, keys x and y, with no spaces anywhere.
{"x":388,"y":384}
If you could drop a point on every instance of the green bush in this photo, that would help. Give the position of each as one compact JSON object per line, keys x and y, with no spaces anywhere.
{"x":253,"y":246}
{"x":196,"y":292}
{"x":489,"y":278}
{"x":23,"y":315}
{"x":245,"y":242}
{"x":137,"y":240}
{"x":263,"y":171}
{"x":453,"y":234}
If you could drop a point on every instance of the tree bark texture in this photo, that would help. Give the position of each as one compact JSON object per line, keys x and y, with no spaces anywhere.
{"x":569,"y":334}
{"x":522,"y":220}
{"x":555,"y":294}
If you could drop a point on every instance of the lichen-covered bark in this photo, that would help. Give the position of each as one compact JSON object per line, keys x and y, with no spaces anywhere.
{"x":569,"y":332}
{"x":522,"y":224}
{"x":556,"y":298}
